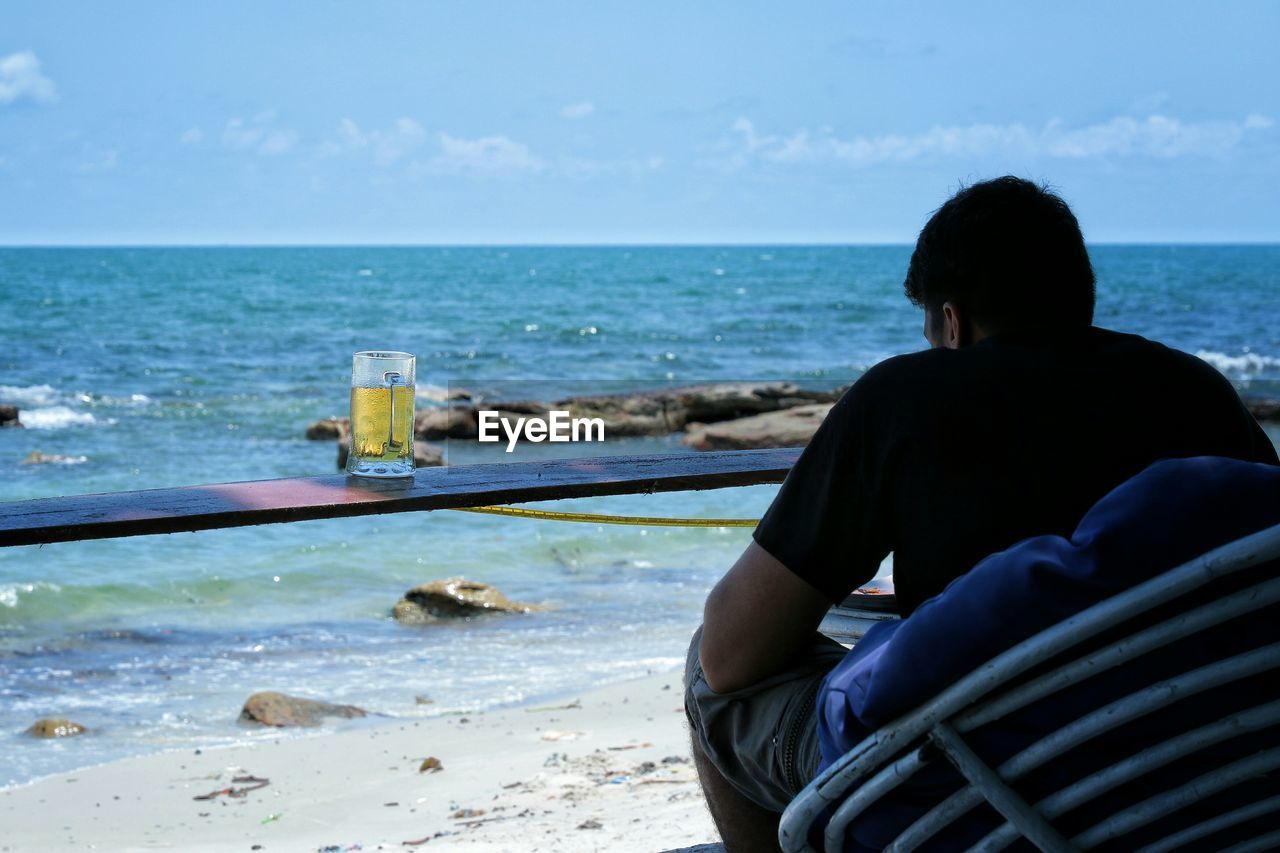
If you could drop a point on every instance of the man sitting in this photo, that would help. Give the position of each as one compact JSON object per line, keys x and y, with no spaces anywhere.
{"x":1017,"y":420}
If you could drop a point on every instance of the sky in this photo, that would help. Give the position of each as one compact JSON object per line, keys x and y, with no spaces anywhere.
{"x":370,"y":122}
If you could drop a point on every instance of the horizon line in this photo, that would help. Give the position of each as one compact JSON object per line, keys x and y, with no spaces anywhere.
{"x":585,"y":245}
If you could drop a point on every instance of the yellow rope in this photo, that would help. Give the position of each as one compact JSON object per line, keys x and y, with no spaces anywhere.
{"x":590,"y":518}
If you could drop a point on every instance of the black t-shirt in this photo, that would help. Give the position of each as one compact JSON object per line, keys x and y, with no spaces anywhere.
{"x":945,"y":456}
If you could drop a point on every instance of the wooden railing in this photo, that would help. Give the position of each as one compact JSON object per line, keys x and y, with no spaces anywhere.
{"x":151,"y":511}
{"x":140,"y":513}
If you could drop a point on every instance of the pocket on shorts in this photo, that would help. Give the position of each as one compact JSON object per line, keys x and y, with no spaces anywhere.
{"x":789,"y":738}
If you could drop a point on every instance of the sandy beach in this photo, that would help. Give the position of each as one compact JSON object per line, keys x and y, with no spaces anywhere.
{"x":607,"y":770}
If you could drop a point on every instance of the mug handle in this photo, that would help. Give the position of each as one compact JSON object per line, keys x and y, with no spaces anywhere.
{"x":392,"y":379}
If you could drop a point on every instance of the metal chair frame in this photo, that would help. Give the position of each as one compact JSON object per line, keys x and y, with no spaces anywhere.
{"x":893,"y":753}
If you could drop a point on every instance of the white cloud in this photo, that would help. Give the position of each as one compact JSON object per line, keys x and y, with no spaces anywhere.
{"x":582,"y":109}
{"x":487,"y":155}
{"x":278,"y":142}
{"x":750,"y":138}
{"x":103,"y":161}
{"x":1155,"y":136}
{"x":384,"y":146}
{"x":193,"y":136}
{"x":496,"y":155}
{"x":20,"y":79}
{"x":579,"y":167}
{"x":258,"y":134}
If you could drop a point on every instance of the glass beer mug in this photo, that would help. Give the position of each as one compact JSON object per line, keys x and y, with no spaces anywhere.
{"x":381,"y":414}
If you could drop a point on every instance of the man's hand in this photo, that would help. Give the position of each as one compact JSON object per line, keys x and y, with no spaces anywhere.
{"x":756,"y":620}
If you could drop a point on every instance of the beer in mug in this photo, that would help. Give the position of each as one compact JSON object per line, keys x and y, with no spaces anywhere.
{"x":382,"y":397}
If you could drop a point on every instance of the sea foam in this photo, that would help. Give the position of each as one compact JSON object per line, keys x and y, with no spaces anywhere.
{"x":54,"y":417}
{"x":1249,"y":362}
{"x":9,"y":593}
{"x":28,"y":395}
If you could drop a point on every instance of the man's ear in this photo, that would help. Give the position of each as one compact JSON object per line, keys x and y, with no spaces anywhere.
{"x":957,"y":331}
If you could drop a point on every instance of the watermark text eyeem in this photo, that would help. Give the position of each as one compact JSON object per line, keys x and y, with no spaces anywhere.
{"x":557,"y":426}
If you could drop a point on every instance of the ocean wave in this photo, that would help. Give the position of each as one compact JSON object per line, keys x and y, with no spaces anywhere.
{"x":28,"y":395}
{"x":105,"y":400}
{"x":45,"y":396}
{"x":56,"y":417}
{"x":1245,"y":363}
{"x":9,"y":593}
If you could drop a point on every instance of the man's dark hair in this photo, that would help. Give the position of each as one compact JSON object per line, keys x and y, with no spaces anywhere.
{"x":1008,"y":252}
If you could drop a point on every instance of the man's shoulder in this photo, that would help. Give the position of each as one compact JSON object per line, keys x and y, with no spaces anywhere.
{"x":1114,"y":341}
{"x":1157,"y":359}
{"x":895,"y":391}
{"x":899,"y":371}
{"x":1094,"y":343}
{"x":937,"y":378}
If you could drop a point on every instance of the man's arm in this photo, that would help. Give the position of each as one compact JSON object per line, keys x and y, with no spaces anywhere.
{"x":756,"y":619}
{"x":824,"y":534}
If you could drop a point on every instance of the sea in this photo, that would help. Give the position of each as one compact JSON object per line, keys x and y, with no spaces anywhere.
{"x":154,"y":367}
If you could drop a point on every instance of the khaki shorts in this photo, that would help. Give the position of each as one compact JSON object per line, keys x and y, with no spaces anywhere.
{"x":763,"y":739}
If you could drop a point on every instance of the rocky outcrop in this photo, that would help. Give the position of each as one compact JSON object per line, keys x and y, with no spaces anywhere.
{"x":669,"y":410}
{"x":278,"y":709}
{"x":454,"y":598}
{"x":787,"y":428}
{"x":731,"y":401}
{"x":451,"y":422}
{"x":1263,"y":409}
{"x":443,"y":395}
{"x":54,"y":727}
{"x":424,"y":455}
{"x":327,"y":429}
{"x":9,"y":416}
{"x":658,"y":412}
{"x":624,"y":415}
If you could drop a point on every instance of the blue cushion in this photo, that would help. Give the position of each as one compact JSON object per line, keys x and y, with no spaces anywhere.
{"x":1169,"y":514}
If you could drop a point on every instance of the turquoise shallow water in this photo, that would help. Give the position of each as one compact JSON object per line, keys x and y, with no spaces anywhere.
{"x":178,"y":366}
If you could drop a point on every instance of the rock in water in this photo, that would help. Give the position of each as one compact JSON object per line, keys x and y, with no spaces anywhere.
{"x":454,"y":598}
{"x":452,"y":422}
{"x":786,"y":428}
{"x":54,"y":727}
{"x":328,"y":428}
{"x":1262,"y":408}
{"x":725,"y":401}
{"x":35,"y":457}
{"x":277,"y":709}
{"x":9,"y":416}
{"x":426,"y":455}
